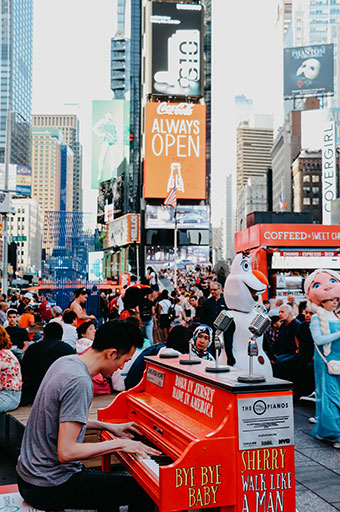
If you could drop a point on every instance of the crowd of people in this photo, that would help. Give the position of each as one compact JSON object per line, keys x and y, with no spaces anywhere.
{"x":171,"y":319}
{"x":76,"y":359}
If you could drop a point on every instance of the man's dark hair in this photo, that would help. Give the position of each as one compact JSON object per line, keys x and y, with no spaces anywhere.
{"x":69,"y":316}
{"x":118,"y":334}
{"x":83,"y":328}
{"x":164,"y":294}
{"x":302,"y":306}
{"x":53,"y":330}
{"x":81,"y":291}
{"x":178,"y":339}
{"x":12,"y":311}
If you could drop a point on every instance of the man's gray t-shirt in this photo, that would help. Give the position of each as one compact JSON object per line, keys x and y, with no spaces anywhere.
{"x":65,"y":394}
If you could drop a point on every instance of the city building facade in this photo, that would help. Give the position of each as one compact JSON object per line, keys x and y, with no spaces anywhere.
{"x":25,"y":229}
{"x":46,"y":167}
{"x":307,"y":187}
{"x":16,"y":78}
{"x":68,"y":124}
{"x":229,"y":220}
{"x":281,"y":169}
{"x":253,"y":157}
{"x":251,"y":198}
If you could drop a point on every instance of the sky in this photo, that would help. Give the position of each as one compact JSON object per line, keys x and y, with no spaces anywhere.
{"x":71,"y":67}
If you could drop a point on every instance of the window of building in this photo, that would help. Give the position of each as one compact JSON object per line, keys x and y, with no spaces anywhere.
{"x":315,"y":178}
{"x":306,"y":178}
{"x":306,"y":190}
{"x":316,"y":200}
{"x":315,"y":190}
{"x":306,"y":201}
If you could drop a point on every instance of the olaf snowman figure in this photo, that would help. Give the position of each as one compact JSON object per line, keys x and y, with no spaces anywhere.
{"x":242,"y":290}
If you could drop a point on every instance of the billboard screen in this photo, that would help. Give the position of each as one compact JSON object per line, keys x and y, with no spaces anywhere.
{"x":188,"y":217}
{"x":162,"y":257}
{"x":19,"y":179}
{"x":110,"y":139}
{"x":96,"y":265}
{"x":175,"y":150}
{"x":308,"y":70}
{"x":110,"y":201}
{"x":329,"y":178}
{"x":177,"y":48}
{"x":124,"y":231}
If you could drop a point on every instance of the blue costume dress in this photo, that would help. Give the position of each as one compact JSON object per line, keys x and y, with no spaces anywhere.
{"x":327,"y":387}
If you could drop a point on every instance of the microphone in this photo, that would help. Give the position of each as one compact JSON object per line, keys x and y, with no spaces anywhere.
{"x":223,"y":321}
{"x":258,"y":327}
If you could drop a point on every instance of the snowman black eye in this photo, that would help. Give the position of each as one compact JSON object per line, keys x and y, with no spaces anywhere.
{"x":245,"y":265}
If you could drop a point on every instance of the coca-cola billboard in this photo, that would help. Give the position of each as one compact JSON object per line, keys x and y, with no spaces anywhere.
{"x":175,"y":135}
{"x":175,"y":33}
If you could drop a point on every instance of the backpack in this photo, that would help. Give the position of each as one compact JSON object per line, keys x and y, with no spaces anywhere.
{"x":145,"y":312}
{"x":171,"y":313}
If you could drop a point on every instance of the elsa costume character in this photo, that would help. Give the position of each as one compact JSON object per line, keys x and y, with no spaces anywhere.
{"x":322,"y":289}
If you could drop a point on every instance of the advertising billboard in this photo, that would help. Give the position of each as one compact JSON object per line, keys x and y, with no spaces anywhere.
{"x":96,"y":265}
{"x":124,"y":231}
{"x":308,"y":70}
{"x":175,"y":135}
{"x":188,"y":217}
{"x":19,"y":179}
{"x":328,"y":177}
{"x":110,"y":201}
{"x":110,"y":138}
{"x":175,"y":67}
{"x":162,"y":257}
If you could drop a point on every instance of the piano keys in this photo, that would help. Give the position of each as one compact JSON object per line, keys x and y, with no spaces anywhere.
{"x":224,"y":443}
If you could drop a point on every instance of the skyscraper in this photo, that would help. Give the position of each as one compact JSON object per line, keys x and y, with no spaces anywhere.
{"x":16,"y":78}
{"x":126,"y":84}
{"x":46,"y":152}
{"x":253,"y":146}
{"x":69,"y":127}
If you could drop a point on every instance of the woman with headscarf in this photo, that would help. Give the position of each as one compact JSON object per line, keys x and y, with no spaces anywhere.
{"x":202,"y":339}
{"x":322,"y":289}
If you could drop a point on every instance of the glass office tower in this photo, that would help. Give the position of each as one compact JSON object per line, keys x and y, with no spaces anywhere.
{"x":16,"y":78}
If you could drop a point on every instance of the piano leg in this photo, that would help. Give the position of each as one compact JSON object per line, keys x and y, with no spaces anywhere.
{"x":106,"y":463}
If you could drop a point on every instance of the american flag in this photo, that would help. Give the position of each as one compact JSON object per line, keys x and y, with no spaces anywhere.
{"x":171,"y":198}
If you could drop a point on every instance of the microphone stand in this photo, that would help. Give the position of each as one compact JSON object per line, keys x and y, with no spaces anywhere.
{"x":191,"y":360}
{"x":253,"y":351}
{"x":219,"y":344}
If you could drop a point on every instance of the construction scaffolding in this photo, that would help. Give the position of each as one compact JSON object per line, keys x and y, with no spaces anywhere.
{"x":67,"y":240}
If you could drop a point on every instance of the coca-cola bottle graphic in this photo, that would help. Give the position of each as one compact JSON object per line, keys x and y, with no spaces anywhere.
{"x":183,"y":64}
{"x":175,"y":178}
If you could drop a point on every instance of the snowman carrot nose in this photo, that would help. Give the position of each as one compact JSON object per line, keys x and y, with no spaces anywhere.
{"x":261,"y":277}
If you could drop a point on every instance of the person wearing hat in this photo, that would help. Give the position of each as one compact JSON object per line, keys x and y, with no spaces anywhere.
{"x":202,"y":339}
{"x":27,"y":298}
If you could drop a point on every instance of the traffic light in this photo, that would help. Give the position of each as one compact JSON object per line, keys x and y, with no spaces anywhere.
{"x":12,"y":256}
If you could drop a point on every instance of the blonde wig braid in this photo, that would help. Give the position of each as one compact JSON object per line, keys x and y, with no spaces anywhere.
{"x":319,"y":310}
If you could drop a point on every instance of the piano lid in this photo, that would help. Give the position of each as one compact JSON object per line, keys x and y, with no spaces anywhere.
{"x":227,"y":381}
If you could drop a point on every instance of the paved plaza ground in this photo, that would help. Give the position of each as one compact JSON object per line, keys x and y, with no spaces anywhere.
{"x":317,"y":467}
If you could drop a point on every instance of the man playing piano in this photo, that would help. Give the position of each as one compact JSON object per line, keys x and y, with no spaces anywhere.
{"x":50,"y":475}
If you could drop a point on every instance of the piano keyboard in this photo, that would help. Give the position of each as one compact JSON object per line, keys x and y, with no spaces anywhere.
{"x":152,"y":462}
